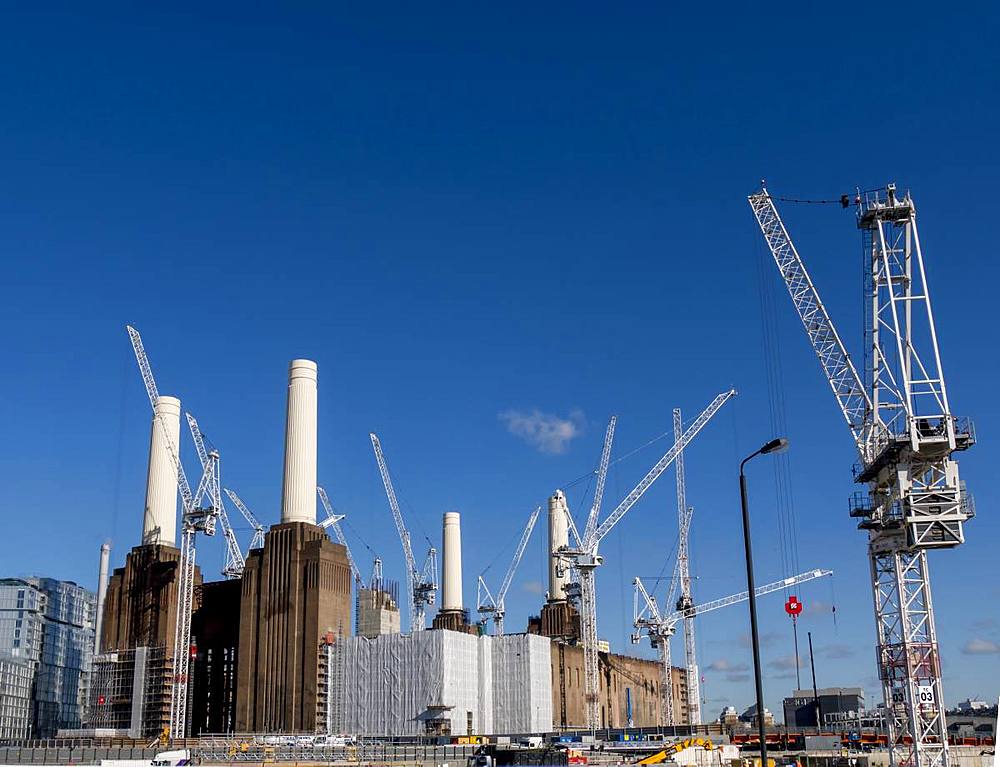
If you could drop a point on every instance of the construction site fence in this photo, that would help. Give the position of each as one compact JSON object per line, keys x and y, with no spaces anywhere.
{"x":74,"y":755}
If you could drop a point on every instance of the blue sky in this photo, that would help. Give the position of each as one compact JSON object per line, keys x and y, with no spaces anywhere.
{"x":468,"y":214}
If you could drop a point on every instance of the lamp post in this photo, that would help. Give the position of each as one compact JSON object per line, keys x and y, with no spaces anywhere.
{"x":774,"y":446}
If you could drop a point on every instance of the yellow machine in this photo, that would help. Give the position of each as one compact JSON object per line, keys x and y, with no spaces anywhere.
{"x":676,"y":748}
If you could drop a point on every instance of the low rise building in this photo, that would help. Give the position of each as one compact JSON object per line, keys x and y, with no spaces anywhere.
{"x":800,"y":708}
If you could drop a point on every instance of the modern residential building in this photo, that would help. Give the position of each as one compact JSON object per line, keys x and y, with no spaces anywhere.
{"x":16,"y":678}
{"x":48,"y":625}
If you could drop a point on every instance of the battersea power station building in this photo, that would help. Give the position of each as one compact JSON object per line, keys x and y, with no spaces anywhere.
{"x":276,"y":649}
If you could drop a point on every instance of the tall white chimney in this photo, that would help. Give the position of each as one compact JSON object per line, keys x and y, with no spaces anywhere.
{"x":102,"y":592}
{"x":298,"y":492}
{"x":451,"y":586}
{"x":160,"y":521}
{"x":558,"y":537}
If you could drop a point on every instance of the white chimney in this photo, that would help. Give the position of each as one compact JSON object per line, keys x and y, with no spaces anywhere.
{"x":298,"y":493}
{"x":102,"y":592}
{"x":558,"y":537}
{"x":160,"y":521}
{"x":451,"y":586}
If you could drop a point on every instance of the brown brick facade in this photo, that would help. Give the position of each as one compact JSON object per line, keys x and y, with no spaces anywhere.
{"x":294,"y":591}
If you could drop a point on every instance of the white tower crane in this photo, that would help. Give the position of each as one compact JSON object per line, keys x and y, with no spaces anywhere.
{"x":905,"y":434}
{"x":421,"y":585}
{"x":487,"y":604}
{"x":684,"y":577}
{"x":648,"y":620}
{"x":193,"y":520}
{"x":333,"y":520}
{"x":587,"y":559}
{"x":211,"y":466}
{"x":257,"y":542}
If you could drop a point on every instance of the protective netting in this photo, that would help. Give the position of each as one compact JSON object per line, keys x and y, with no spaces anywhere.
{"x":443,"y":681}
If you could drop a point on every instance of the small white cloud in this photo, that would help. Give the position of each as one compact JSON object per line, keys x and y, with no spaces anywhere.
{"x":785,"y":662}
{"x":533,"y":587}
{"x":724,"y":664}
{"x":546,"y":432}
{"x":981,"y":647}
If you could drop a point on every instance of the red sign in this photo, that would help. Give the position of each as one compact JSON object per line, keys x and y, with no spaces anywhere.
{"x":793,"y":606}
{"x":100,"y":700}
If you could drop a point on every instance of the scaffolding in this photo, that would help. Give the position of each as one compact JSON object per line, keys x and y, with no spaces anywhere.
{"x":130,"y":692}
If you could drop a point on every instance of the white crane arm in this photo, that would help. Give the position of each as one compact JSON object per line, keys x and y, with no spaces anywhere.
{"x":333,"y":520}
{"x":397,"y":515}
{"x":653,"y":474}
{"x":187,"y":499}
{"x":644,"y":608}
{"x":744,"y":595}
{"x":242,"y":507}
{"x":518,"y":554}
{"x":602,"y":474}
{"x":852,"y":396}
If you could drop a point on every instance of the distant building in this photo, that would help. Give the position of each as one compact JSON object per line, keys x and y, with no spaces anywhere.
{"x":48,"y":625}
{"x":729,"y":717}
{"x":970,"y":706}
{"x":378,"y":612}
{"x":750,"y":716}
{"x":800,"y":708}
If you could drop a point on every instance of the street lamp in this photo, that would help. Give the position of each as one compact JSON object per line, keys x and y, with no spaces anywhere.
{"x":774,"y":446}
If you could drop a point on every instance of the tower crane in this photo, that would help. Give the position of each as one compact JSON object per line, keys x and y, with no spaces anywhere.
{"x":257,"y":542}
{"x":905,"y":434}
{"x":495,"y":606}
{"x":421,"y":585}
{"x":684,"y":578}
{"x":648,"y":620}
{"x":333,"y":520}
{"x":194,"y":519}
{"x":586,"y":558}
{"x":211,"y":466}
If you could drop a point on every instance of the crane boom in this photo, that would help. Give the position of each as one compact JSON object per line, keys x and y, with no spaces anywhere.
{"x":743,"y":596}
{"x":658,"y":468}
{"x":488,"y":604}
{"x":659,"y":628}
{"x":421,"y":584}
{"x":602,"y":474}
{"x":235,"y":561}
{"x":335,"y":524}
{"x":257,"y":541}
{"x":847,"y":386}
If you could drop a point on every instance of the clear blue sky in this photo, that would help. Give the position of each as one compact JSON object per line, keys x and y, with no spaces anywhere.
{"x":464,"y":214}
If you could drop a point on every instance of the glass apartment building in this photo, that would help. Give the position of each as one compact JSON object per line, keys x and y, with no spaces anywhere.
{"x":48,"y":626}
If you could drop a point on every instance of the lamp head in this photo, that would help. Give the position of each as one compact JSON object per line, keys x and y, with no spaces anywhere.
{"x":779,"y":445}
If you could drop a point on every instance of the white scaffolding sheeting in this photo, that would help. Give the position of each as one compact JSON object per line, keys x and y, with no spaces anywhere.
{"x":409,"y":684}
{"x":522,"y":684}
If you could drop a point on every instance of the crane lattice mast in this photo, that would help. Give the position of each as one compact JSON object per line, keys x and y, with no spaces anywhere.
{"x":586,"y":558}
{"x":902,"y":425}
{"x":684,"y":576}
{"x":193,"y":520}
{"x":421,"y":585}
{"x":486,"y":603}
